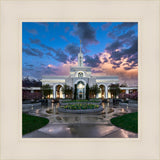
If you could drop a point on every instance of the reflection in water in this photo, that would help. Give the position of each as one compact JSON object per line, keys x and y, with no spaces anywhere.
{"x":64,"y":124}
{"x":68,"y":118}
{"x":50,"y":130}
{"x":63,"y":118}
{"x":52,"y":106}
{"x":103,"y":105}
{"x":122,"y":110}
{"x":57,"y":105}
{"x":67,"y":129}
{"x":124,"y":133}
{"x":53,"y":109}
{"x":127,"y":134}
{"x":37,"y":111}
{"x":127,"y":106}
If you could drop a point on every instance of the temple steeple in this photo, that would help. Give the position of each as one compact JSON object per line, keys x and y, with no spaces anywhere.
{"x":80,"y":57}
{"x":80,"y":46}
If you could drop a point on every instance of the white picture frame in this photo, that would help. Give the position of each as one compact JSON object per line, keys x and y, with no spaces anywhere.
{"x":13,"y":13}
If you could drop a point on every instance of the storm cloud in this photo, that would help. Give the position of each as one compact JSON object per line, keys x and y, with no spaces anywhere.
{"x":125,"y":25}
{"x":86,"y":33}
{"x":57,"y":54}
{"x":73,"y":50}
{"x":106,"y":25}
{"x":130,"y":53}
{"x":33,"y":52}
{"x":109,"y":48}
{"x":113,"y":46}
{"x":92,"y":61}
{"x":121,"y":29}
{"x":124,"y":45}
{"x":35,"y":41}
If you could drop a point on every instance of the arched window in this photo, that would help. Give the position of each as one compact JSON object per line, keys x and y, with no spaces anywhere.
{"x":59,"y":93}
{"x":102,"y":91}
{"x":80,"y":74}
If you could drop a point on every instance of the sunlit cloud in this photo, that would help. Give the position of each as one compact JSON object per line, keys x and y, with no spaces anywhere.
{"x":109,"y":48}
{"x":106,"y":69}
{"x":103,"y":69}
{"x":51,"y":66}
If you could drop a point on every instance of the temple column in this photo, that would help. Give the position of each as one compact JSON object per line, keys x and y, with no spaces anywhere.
{"x":54,"y":91}
{"x":106,"y":92}
{"x":127,"y":91}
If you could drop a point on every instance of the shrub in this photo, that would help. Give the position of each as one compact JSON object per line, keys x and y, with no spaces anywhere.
{"x":80,"y":106}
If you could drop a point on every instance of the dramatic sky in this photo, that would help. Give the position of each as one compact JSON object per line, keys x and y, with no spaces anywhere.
{"x":109,"y":48}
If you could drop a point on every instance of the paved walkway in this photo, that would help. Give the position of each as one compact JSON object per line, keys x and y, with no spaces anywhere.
{"x":64,"y":125}
{"x":80,"y":131}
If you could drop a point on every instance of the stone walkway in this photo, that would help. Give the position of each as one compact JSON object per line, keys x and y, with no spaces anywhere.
{"x":64,"y":125}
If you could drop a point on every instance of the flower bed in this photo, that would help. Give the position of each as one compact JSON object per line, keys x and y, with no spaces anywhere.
{"x":74,"y":102}
{"x":80,"y":108}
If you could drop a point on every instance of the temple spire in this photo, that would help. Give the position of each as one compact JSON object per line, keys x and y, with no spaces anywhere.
{"x":80,"y":57}
{"x":80,"y":46}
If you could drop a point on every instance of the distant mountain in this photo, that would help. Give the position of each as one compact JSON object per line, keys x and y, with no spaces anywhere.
{"x":31,"y":82}
{"x":31,"y":78}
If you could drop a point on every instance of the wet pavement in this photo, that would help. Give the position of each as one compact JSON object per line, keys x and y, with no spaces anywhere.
{"x":66,"y":125}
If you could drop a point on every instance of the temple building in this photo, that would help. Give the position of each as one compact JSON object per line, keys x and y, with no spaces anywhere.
{"x":80,"y":75}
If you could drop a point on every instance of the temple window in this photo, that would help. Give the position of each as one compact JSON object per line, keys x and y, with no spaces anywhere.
{"x":80,"y":74}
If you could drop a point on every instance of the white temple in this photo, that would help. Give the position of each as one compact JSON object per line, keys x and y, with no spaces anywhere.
{"x":80,"y":75}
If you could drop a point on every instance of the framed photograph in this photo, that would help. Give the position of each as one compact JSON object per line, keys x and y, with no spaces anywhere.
{"x":80,"y":79}
{"x":79,"y":90}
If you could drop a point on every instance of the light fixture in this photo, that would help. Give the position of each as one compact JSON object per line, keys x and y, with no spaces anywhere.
{"x":80,"y":86}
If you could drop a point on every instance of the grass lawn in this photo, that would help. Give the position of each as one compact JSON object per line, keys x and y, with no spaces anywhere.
{"x":31,"y":123}
{"x":128,"y":122}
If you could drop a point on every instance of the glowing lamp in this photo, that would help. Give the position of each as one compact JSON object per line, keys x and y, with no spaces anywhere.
{"x":80,"y":86}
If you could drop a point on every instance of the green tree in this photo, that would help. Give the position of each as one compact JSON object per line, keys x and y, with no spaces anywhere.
{"x":67,"y":90}
{"x":70,"y":92}
{"x":114,"y":89}
{"x":75,"y":91}
{"x":87,"y":91}
{"x":46,"y":90}
{"x":95,"y":90}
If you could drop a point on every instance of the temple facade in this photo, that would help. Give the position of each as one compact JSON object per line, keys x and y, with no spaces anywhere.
{"x":80,"y":75}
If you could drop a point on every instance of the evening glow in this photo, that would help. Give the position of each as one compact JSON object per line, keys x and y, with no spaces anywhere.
{"x":51,"y":48}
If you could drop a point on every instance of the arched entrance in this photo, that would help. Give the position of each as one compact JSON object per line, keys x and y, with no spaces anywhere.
{"x":59,"y":93}
{"x":102,"y":91}
{"x":80,"y":90}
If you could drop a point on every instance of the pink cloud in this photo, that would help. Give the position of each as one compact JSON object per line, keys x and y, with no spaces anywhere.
{"x":104,"y":69}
